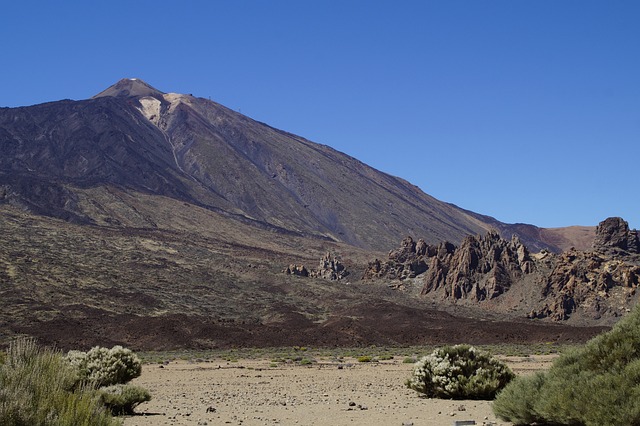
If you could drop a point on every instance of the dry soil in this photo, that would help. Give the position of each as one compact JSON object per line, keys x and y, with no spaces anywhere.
{"x":346,"y":392}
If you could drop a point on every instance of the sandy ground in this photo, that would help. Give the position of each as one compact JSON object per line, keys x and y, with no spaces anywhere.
{"x":253,"y":392}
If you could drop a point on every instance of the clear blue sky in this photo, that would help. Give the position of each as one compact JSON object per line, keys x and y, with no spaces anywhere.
{"x":528,"y":111}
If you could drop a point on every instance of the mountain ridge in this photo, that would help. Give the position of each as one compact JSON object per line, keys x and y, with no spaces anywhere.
{"x":199,"y":151}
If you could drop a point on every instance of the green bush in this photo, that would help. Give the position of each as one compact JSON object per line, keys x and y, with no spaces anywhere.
{"x":38,"y":388}
{"x":364,"y":358}
{"x":122,"y":399}
{"x":517,"y":399}
{"x":106,"y":367}
{"x":459,"y":372}
{"x":598,"y":384}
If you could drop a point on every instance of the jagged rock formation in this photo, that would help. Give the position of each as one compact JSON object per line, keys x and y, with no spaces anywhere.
{"x":596,"y":283}
{"x":602,"y":281}
{"x":329,"y":268}
{"x":483,"y":267}
{"x":408,"y":261}
{"x":590,"y":281}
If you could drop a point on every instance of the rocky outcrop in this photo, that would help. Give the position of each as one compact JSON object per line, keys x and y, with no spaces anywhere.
{"x":483,"y":267}
{"x":590,"y":281}
{"x":408,"y":261}
{"x":298,"y":270}
{"x":613,"y":236}
{"x":330,"y":268}
{"x":598,"y":283}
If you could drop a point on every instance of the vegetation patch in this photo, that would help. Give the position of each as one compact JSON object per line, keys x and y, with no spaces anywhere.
{"x":597,"y":384}
{"x":459,"y":372}
{"x":39,"y":387}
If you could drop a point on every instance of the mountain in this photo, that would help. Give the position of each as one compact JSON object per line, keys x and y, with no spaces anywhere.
{"x":56,"y":158}
{"x":160,"y":220}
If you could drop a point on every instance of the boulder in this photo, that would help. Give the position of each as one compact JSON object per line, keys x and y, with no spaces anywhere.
{"x":613,"y":235}
{"x":299,"y":270}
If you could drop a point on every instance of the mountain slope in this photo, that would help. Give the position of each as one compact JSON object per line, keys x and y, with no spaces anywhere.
{"x":211,"y":282}
{"x":136,"y":137}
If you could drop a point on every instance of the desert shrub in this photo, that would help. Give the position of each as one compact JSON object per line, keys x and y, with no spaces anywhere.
{"x":122,"y":399}
{"x":516,"y":401}
{"x":37,"y":387}
{"x":459,"y":372}
{"x":598,"y":384}
{"x":106,"y":367}
{"x":364,"y":358}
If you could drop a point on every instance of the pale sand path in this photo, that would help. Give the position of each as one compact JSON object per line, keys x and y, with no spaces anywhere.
{"x":251,"y":392}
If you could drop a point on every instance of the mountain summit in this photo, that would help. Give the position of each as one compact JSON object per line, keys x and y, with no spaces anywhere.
{"x":63,"y":158}
{"x":130,"y":87}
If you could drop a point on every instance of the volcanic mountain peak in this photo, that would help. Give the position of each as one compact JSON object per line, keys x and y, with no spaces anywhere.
{"x":203,"y":153}
{"x":128,"y":87}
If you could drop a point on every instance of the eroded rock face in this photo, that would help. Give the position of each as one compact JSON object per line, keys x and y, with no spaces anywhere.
{"x":408,"y":261}
{"x":592,"y":281}
{"x":483,"y":267}
{"x":613,"y":235}
{"x":597,"y":283}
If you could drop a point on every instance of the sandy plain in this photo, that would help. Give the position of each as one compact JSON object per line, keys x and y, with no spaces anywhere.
{"x":344,"y":392}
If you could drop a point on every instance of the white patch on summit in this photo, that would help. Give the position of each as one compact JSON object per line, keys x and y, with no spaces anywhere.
{"x":150,"y":109}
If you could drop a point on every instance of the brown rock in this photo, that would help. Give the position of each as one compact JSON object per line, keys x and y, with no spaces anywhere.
{"x":330,"y":268}
{"x":613,"y":234}
{"x":481,"y":268}
{"x":586,"y":280}
{"x":407,"y":261}
{"x":299,"y":270}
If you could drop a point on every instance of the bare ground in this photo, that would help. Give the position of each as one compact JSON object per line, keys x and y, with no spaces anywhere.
{"x":330,"y":392}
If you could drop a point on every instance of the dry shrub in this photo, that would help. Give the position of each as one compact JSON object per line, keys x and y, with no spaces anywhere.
{"x":38,"y":387}
{"x":459,"y":372}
